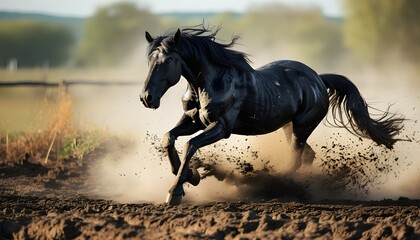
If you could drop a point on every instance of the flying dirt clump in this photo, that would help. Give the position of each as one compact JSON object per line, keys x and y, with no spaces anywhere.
{"x":251,"y":182}
{"x":358,"y":165}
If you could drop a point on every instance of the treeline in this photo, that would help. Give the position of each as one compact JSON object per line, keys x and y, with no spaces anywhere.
{"x":34,"y":43}
{"x":112,"y":34}
{"x":281,"y":32}
{"x":371,"y":30}
{"x":381,"y":31}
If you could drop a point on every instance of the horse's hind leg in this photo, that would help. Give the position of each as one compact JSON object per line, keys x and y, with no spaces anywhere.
{"x":303,"y":126}
{"x":288,"y":131}
{"x":308,"y":155}
{"x":301,"y":151}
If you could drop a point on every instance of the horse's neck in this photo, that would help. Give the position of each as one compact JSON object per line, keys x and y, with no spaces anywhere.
{"x":197,"y":75}
{"x":189,"y":75}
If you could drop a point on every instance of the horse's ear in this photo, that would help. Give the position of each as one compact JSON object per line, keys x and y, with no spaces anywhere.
{"x":177,"y":35}
{"x":149,"y":37}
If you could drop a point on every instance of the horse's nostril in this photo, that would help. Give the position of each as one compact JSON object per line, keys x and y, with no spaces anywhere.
{"x":149,"y":98}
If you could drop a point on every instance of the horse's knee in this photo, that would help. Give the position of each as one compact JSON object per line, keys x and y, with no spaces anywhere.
{"x":168,"y":141}
{"x":194,"y":177}
{"x":190,"y":148}
{"x":174,"y":170}
{"x":169,"y":148}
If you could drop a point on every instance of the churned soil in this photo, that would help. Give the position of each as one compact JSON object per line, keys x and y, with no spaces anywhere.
{"x":55,"y":201}
{"x":76,"y":216}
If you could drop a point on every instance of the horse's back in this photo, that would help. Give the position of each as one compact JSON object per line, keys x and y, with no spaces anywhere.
{"x":303,"y":78}
{"x":284,"y":65}
{"x":281,"y":91}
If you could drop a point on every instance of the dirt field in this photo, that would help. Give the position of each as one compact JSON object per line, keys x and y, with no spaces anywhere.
{"x":57,"y":201}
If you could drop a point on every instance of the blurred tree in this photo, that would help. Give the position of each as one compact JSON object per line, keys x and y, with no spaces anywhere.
{"x":376,"y":28}
{"x":112,"y":33}
{"x":297,"y":33}
{"x":34,"y":43}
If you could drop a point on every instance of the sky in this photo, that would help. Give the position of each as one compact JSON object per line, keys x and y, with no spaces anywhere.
{"x":84,"y":8}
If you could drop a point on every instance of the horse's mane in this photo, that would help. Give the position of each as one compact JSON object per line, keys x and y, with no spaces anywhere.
{"x":201,"y":42}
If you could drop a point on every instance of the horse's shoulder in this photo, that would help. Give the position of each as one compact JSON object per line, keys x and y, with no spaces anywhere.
{"x":189,"y":99}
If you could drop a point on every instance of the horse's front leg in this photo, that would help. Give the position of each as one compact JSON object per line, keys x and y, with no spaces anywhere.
{"x":213,"y":133}
{"x":186,"y":126}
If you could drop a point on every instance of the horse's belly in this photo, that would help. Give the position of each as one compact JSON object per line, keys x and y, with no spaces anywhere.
{"x":267,"y":114}
{"x":252,"y":125}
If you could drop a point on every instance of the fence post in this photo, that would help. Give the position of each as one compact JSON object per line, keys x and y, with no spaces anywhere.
{"x":63,"y":85}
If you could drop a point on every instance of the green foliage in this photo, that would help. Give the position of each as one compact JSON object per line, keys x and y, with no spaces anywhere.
{"x":273,"y":31}
{"x":112,"y":33}
{"x":34,"y":43}
{"x":78,"y":146}
{"x":375,"y":28}
{"x":74,"y":24}
{"x":287,"y":32}
{"x":277,"y":31}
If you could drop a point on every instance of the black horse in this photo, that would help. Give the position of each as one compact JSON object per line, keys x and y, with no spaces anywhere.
{"x":226,"y":95}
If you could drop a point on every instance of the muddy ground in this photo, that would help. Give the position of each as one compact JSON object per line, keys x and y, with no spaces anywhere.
{"x":56,"y":201}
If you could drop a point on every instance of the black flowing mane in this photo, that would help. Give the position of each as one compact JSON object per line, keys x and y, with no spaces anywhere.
{"x":200,"y":43}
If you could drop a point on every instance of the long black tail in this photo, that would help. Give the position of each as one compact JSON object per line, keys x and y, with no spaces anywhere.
{"x":346,"y":100}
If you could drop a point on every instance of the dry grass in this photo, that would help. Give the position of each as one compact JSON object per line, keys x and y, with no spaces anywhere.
{"x":56,"y":139}
{"x":48,"y":134}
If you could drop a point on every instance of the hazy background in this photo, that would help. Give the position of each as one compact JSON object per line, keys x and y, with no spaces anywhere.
{"x":375,"y":43}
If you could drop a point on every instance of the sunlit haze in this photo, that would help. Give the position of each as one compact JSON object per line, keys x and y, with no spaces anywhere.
{"x":105,"y":43}
{"x":83,"y":8}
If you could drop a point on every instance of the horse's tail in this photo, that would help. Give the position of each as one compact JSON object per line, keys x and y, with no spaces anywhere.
{"x":346,"y":100}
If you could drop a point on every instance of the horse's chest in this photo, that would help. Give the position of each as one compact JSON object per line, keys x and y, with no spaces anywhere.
{"x":209,"y":111}
{"x":205,"y":116}
{"x":200,"y":107}
{"x":211,"y":99}
{"x":211,"y":108}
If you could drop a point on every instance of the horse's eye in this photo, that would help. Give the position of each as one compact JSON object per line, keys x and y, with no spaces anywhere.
{"x":168,"y":60}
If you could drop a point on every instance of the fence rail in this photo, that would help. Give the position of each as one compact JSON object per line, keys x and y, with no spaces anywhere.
{"x":64,"y":83}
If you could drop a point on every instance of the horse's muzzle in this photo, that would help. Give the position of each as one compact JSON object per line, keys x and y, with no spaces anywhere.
{"x":149,"y":101}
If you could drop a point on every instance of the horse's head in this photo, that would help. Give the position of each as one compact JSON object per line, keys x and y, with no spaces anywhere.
{"x":165,"y":68}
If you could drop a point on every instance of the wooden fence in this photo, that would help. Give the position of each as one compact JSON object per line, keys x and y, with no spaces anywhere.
{"x":64,"y":83}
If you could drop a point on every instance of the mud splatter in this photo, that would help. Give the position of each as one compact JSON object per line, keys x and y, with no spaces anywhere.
{"x":342,"y":168}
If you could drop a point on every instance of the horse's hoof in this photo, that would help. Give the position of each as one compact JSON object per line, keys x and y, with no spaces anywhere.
{"x":173,"y":200}
{"x":195,"y":177}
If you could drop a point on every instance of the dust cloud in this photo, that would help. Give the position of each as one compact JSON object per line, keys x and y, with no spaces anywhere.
{"x":250,"y":167}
